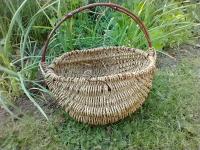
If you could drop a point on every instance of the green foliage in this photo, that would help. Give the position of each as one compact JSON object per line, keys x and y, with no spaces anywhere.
{"x":22,"y":59}
{"x":167,"y":22}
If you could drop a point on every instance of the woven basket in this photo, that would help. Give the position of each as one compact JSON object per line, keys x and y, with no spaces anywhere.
{"x":101,"y":85}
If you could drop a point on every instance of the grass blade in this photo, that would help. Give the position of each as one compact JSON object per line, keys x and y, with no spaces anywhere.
{"x":30,"y":97}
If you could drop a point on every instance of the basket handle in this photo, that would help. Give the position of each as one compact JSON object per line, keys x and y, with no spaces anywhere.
{"x":111,"y":5}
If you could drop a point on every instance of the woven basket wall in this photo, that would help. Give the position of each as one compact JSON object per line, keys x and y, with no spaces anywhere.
{"x":101,"y":85}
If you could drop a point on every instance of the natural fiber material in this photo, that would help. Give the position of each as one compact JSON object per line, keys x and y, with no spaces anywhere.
{"x":101,"y":85}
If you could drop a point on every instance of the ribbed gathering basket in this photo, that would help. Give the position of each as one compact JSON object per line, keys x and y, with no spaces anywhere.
{"x":101,"y":85}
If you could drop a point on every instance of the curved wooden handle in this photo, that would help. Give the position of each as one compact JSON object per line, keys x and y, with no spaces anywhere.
{"x":111,"y":5}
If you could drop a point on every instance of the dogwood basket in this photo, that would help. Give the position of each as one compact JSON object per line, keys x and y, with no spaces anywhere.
{"x":101,"y":85}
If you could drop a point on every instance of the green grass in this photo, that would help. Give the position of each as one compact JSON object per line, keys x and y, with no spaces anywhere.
{"x":169,"y":119}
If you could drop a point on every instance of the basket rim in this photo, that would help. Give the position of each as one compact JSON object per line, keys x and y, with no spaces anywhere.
{"x":51,"y":73}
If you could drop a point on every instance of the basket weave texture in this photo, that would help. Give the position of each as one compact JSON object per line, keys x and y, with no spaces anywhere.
{"x":101,"y":85}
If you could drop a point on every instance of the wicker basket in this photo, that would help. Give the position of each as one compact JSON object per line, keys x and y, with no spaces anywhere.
{"x":101,"y":85}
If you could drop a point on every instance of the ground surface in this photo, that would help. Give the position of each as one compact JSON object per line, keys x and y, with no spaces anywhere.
{"x":169,"y":119}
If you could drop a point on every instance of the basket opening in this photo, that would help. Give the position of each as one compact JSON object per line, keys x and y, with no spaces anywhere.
{"x":98,"y":64}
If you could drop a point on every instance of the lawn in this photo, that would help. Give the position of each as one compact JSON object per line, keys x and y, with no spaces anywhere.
{"x":29,"y":116}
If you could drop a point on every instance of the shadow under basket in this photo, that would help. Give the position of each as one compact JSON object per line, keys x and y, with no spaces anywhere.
{"x":101,"y":85}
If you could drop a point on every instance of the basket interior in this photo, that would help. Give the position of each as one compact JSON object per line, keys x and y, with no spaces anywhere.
{"x":100,"y":62}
